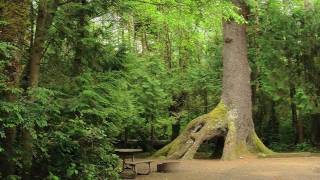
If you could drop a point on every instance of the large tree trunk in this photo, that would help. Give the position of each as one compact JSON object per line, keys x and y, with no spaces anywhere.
{"x":232,"y":118}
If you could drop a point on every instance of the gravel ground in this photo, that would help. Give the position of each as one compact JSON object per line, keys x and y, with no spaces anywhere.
{"x":307,"y":168}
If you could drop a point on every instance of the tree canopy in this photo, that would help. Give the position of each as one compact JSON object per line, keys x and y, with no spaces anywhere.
{"x":81,"y":77}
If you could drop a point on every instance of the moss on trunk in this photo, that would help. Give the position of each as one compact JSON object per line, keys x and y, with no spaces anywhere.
{"x":232,"y":118}
{"x":218,"y":122}
{"x":198,"y":130}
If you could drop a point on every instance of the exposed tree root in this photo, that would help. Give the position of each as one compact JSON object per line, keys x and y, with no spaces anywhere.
{"x":218,"y":122}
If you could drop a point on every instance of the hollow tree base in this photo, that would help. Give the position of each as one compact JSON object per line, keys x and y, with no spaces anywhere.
{"x":218,"y":122}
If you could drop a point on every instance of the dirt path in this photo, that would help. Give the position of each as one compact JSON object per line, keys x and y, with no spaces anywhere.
{"x":243,"y":169}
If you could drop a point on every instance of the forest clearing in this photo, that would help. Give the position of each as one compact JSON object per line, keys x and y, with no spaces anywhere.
{"x":244,"y":169}
{"x":159,"y":89}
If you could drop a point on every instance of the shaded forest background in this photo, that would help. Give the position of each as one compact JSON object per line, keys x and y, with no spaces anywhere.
{"x":80,"y":77}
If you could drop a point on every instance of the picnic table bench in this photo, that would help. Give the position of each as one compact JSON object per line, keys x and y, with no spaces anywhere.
{"x":135,"y":169}
{"x":124,"y":153}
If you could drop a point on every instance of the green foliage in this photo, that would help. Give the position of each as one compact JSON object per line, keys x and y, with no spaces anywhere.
{"x":282,"y":38}
{"x":115,"y":71}
{"x":305,"y":147}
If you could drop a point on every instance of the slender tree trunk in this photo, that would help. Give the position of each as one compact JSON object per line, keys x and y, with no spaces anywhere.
{"x":175,"y":129}
{"x":132,"y":33}
{"x":174,"y":110}
{"x":232,"y":118}
{"x":46,"y":10}
{"x":168,"y":48}
{"x":315,"y":129}
{"x":300,"y":129}
{"x":126,"y":131}
{"x":205,"y":100}
{"x":79,"y":47}
{"x":256,"y":108}
{"x":44,"y":20}
{"x":152,"y":137}
{"x":143,"y":45}
{"x":180,"y":98}
{"x":298,"y":126}
{"x":258,"y":118}
{"x":144,"y":42}
{"x":255,"y":103}
{"x":122,"y":29}
{"x":274,"y":123}
{"x":16,"y":15}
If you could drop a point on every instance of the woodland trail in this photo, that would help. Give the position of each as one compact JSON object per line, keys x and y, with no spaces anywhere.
{"x":302,"y":168}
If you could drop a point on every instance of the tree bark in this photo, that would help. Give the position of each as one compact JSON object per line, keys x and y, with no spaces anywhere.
{"x":274,"y":123}
{"x":15,"y":14}
{"x":180,"y":98}
{"x":205,"y":100}
{"x":300,"y":129}
{"x":236,"y":84}
{"x":297,"y":123}
{"x":46,"y":10}
{"x":315,"y":129}
{"x":168,"y":48}
{"x":132,"y":33}
{"x":152,"y":137}
{"x":174,"y":110}
{"x":44,"y":20}
{"x":79,"y":47}
{"x":144,"y":41}
{"x":232,"y":118}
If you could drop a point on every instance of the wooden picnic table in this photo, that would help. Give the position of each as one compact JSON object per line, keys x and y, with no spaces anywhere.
{"x":124,"y":153}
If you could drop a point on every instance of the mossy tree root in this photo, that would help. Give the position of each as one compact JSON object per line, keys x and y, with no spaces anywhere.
{"x":218,"y":122}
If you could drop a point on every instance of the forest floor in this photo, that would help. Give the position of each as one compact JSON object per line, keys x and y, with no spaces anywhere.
{"x":300,"y":168}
